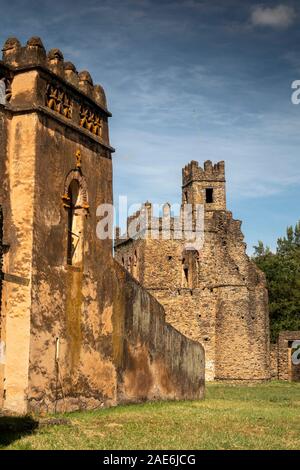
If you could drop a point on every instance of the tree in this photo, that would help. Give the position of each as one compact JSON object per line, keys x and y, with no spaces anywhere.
{"x":282,"y":270}
{"x":261,"y":250}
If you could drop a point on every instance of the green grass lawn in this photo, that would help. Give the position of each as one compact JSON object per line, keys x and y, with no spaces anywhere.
{"x":231,"y":417}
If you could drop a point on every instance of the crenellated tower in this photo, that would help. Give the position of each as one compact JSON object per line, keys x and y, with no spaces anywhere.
{"x":204,"y":185}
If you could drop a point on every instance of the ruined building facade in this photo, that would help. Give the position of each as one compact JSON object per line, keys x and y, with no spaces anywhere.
{"x":76,"y":329}
{"x":212,"y":293}
{"x":285,"y":356}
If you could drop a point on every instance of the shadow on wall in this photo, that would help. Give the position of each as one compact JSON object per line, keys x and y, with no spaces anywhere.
{"x":13,"y":428}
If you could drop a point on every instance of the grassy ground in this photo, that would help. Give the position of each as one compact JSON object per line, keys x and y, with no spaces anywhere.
{"x":231,"y":417}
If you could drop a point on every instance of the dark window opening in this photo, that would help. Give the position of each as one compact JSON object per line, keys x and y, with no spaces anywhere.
{"x":186,"y":275}
{"x":209,"y":195}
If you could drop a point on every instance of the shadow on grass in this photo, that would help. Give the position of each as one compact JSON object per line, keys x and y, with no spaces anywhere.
{"x":13,"y":428}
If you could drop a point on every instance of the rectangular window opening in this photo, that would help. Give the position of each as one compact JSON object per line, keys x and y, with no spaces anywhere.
{"x":209,"y":195}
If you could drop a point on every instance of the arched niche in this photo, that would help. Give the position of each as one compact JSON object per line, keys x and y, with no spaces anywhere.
{"x":76,"y":203}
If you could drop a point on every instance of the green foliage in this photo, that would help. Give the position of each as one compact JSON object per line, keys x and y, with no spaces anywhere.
{"x":282,"y":270}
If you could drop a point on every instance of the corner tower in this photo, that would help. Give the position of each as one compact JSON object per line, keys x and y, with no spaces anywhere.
{"x":204,"y":185}
{"x":49,"y":113}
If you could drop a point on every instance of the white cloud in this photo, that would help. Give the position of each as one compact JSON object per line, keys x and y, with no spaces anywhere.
{"x":280,"y":16}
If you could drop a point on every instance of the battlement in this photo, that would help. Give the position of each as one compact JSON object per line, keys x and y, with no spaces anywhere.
{"x":144,"y":224}
{"x":210,"y":172}
{"x":144,"y":220}
{"x":17,"y":58}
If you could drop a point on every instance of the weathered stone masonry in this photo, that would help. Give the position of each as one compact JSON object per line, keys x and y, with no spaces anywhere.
{"x":214,"y":295}
{"x":77,"y":329}
{"x":282,"y":366}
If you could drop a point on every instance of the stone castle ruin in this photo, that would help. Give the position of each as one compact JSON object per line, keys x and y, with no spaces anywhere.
{"x":80,"y":328}
{"x":214,"y":295}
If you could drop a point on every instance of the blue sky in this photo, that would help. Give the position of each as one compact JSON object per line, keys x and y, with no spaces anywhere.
{"x":189,"y":79}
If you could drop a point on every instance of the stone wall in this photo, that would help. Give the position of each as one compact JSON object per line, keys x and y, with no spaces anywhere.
{"x":70,"y":303}
{"x":2,"y":185}
{"x":274,"y":360}
{"x":281,"y":357}
{"x":154,"y":361}
{"x":17,"y":202}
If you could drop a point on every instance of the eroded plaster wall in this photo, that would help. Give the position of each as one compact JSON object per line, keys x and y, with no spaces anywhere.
{"x":154,"y":361}
{"x":18,"y":196}
{"x":70,"y":304}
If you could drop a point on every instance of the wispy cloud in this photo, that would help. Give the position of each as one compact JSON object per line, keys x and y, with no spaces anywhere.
{"x":281,"y":16}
